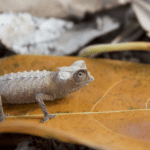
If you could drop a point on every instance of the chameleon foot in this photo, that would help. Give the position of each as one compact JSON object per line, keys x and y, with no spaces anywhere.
{"x":3,"y":117}
{"x":46,"y":118}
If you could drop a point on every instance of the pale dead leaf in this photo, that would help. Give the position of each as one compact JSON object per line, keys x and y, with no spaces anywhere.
{"x":142,"y":11}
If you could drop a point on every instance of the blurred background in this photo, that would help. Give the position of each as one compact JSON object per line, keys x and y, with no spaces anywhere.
{"x":56,"y":27}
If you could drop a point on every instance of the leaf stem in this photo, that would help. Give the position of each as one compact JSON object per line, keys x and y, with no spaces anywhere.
{"x":82,"y":113}
{"x":95,"y":49}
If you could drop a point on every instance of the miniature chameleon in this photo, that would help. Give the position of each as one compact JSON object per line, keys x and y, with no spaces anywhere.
{"x":39,"y":86}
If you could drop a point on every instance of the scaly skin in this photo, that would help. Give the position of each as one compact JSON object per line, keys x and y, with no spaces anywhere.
{"x":40,"y":86}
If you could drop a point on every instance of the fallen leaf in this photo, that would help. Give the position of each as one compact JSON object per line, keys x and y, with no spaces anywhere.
{"x":142,"y":11}
{"x":112,"y":112}
{"x":58,"y":8}
{"x":73,"y":40}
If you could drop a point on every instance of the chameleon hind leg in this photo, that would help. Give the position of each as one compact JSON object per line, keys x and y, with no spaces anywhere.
{"x":2,"y":115}
{"x":39,"y":98}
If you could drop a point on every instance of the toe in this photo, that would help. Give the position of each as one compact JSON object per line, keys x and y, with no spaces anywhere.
{"x":52,"y":116}
{"x":45,"y":119}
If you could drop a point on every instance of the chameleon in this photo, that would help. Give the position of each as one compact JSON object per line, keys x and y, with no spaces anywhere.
{"x":39,"y":86}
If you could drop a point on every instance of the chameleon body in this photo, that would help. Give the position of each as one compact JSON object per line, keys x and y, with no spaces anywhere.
{"x":40,"y":86}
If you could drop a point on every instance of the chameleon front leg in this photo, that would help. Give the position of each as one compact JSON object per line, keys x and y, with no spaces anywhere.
{"x":40,"y":97}
{"x":2,"y":116}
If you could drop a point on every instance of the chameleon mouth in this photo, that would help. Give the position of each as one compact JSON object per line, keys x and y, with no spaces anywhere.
{"x":91,"y":78}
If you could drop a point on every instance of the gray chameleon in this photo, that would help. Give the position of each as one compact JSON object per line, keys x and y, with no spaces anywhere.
{"x":38,"y":86}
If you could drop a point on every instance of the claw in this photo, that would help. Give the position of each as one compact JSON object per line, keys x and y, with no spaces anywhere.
{"x":48,"y":117}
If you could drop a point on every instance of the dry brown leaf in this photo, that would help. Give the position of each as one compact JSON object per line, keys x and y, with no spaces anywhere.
{"x":112,"y":112}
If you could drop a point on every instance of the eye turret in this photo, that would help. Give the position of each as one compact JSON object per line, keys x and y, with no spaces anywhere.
{"x":80,"y":75}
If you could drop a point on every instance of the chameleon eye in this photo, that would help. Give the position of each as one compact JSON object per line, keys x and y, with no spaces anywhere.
{"x":80,"y":75}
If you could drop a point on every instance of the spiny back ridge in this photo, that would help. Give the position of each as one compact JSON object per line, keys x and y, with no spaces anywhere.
{"x":25,"y":75}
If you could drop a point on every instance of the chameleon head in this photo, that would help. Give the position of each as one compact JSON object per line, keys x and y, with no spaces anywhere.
{"x":75,"y":76}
